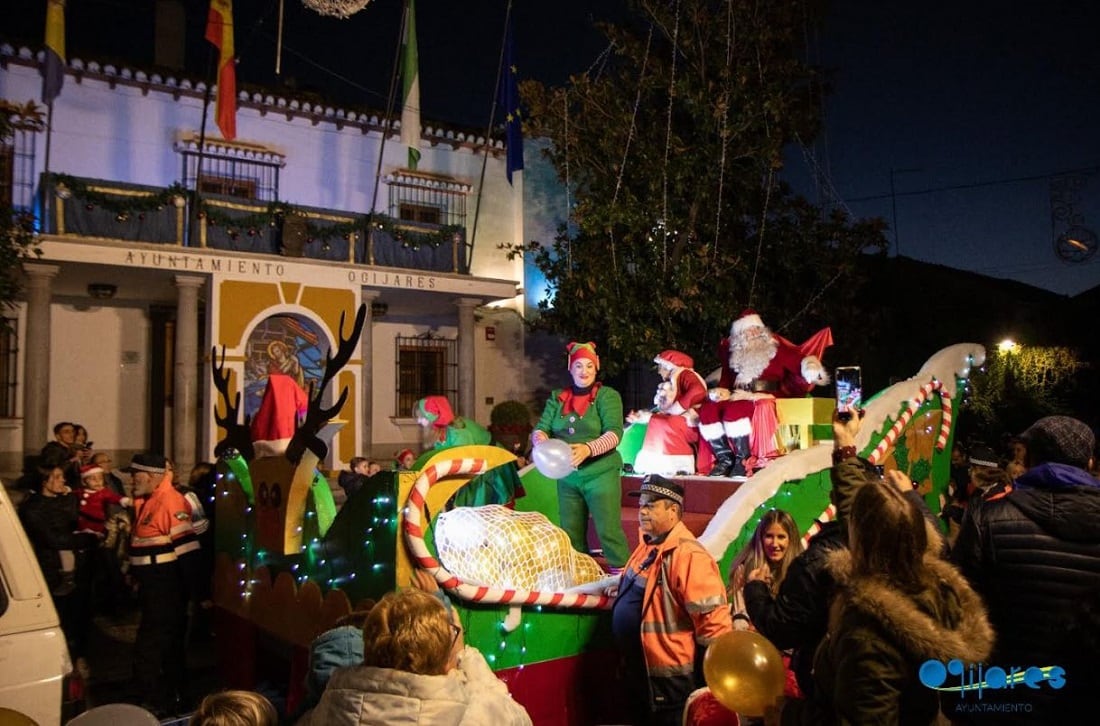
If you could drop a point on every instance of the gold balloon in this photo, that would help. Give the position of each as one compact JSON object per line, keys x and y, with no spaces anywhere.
{"x":744,"y":672}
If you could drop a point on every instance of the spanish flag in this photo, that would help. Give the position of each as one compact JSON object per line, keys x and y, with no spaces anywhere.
{"x":53,"y":68}
{"x":219,"y":31}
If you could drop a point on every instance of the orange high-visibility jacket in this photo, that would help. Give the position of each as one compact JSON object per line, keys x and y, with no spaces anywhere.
{"x":684,"y":606}
{"x":162,"y":530}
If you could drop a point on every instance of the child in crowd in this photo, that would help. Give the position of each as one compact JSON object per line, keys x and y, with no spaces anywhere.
{"x":405,"y":459}
{"x":97,"y":502}
{"x":102,"y":512}
{"x":235,"y":708}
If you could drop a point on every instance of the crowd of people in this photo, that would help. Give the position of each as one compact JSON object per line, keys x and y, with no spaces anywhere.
{"x":865,"y":612}
{"x":107,"y":547}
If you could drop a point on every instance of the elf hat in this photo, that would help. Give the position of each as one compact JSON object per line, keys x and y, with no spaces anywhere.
{"x":436,"y":409}
{"x":748,"y":319}
{"x":582,"y":350}
{"x":674,"y":359}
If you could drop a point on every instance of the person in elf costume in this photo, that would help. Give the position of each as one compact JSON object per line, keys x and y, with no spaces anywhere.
{"x":672,"y":428}
{"x":739,"y":420}
{"x":448,"y":430}
{"x":589,"y":417}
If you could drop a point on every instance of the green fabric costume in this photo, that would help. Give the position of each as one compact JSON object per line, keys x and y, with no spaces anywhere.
{"x":463,"y":432}
{"x":595,"y":488}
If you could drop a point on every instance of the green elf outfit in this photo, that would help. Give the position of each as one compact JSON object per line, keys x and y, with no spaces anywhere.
{"x":450,"y":430}
{"x":499,"y":485}
{"x":591,"y":416}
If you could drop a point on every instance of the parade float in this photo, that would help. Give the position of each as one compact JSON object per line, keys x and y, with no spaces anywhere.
{"x":289,"y":564}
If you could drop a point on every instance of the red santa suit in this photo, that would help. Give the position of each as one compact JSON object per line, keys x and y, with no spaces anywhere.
{"x":672,"y":429}
{"x":748,"y":420}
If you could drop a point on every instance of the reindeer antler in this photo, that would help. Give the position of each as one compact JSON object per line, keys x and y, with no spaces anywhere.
{"x":305,"y":437}
{"x":237,"y":436}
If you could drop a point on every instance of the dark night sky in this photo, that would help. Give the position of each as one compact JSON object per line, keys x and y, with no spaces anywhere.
{"x":973,"y":105}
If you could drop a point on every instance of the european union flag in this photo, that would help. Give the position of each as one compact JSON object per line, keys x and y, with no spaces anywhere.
{"x":513,"y":116}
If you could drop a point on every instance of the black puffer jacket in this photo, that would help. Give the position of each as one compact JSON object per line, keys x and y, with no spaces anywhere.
{"x":1033,"y":553}
{"x":49,"y":523}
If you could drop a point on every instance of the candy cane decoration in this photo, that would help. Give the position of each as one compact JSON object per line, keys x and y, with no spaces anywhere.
{"x":906,"y":416}
{"x":414,"y":538}
{"x":827,"y":516}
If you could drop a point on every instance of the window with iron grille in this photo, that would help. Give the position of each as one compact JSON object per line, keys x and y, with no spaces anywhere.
{"x":231,"y":169}
{"x":17,"y":170}
{"x":427,"y":198}
{"x":9,"y":362}
{"x":426,"y":366}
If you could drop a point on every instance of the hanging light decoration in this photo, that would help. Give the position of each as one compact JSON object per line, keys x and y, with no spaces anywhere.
{"x":336,"y":8}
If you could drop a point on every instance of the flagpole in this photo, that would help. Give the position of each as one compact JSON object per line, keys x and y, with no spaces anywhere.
{"x":49,"y":136}
{"x":488,"y":138}
{"x":387,"y":127}
{"x":195,"y":204}
{"x":279,"y":43}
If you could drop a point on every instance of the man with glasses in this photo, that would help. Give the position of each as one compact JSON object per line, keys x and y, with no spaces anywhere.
{"x":670,"y":605}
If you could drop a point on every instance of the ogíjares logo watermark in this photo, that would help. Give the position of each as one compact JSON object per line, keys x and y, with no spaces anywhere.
{"x":976,"y":677}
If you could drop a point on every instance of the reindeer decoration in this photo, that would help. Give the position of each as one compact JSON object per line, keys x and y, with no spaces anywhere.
{"x":284,"y":483}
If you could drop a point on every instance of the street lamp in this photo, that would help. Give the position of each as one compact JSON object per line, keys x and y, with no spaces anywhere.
{"x":1008,"y":346}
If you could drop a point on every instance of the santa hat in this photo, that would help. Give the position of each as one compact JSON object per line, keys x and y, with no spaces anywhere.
{"x":582,"y":350}
{"x":89,"y":470}
{"x":748,"y":319}
{"x":674,"y":359}
{"x":403,"y":453}
{"x":436,"y":409}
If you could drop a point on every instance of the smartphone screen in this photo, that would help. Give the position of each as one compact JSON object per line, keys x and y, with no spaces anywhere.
{"x":849,"y":390}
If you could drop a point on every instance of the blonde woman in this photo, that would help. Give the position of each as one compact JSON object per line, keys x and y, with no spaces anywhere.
{"x":416,"y":670}
{"x":773,"y":547}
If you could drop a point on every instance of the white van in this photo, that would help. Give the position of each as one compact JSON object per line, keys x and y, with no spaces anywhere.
{"x":34,"y":659}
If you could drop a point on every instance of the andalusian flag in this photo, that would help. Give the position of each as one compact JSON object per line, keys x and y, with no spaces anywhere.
{"x":219,"y":31}
{"x":53,"y":69}
{"x":410,"y":74}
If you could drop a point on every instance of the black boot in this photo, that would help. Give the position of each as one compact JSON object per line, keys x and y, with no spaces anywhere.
{"x":723,"y":457}
{"x":741,"y":452}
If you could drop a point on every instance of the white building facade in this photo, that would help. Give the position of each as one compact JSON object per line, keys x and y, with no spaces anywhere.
{"x":138,"y":282}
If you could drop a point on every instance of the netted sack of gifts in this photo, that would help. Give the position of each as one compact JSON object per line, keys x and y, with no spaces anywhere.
{"x":499,"y":547}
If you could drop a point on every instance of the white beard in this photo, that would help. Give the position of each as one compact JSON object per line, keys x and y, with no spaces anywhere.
{"x":749,"y":356}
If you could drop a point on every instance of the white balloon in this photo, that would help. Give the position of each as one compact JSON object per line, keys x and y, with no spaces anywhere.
{"x":553,"y":458}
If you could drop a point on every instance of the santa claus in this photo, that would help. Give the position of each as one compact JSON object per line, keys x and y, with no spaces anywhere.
{"x":672,"y":428}
{"x":738,"y":420}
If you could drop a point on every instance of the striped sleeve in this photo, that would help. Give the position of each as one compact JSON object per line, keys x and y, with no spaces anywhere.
{"x":605,"y":443}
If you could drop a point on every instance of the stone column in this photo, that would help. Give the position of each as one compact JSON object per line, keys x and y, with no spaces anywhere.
{"x":466,"y":364}
{"x":185,"y":398}
{"x":366,"y":377}
{"x":36,"y":356}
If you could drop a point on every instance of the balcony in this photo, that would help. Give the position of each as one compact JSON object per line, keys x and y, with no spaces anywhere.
{"x":95,"y":209}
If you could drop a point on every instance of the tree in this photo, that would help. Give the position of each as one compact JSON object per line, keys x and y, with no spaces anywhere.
{"x":671,"y":151}
{"x":17,"y":240}
{"x":1021,"y":385}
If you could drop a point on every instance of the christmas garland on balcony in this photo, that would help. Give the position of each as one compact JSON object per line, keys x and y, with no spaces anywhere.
{"x":126,"y":205}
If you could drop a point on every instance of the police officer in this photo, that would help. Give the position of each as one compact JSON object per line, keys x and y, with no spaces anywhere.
{"x":164,"y":559}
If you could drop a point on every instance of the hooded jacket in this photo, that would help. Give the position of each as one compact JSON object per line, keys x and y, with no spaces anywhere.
{"x":1033,"y":552}
{"x":866,"y":669}
{"x":470,"y":695}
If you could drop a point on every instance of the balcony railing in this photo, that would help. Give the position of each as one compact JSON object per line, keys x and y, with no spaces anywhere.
{"x":93,"y":208}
